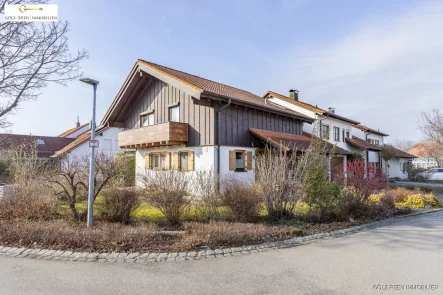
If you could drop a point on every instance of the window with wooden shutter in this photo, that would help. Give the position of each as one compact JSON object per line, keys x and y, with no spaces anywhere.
{"x":232,"y":160}
{"x":190,"y":161}
{"x":237,"y":160}
{"x":168,"y":161}
{"x":148,"y":161}
{"x":249,"y":160}
{"x":176,"y":161}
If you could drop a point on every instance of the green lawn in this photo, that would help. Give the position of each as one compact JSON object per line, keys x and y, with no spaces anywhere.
{"x":147,"y":212}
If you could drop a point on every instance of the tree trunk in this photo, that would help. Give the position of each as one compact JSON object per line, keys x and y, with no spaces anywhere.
{"x":74,"y":210}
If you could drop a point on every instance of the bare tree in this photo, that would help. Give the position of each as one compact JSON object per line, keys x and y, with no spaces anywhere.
{"x":283,"y":175}
{"x":404,"y":145}
{"x":31,"y":56}
{"x":431,"y":126}
{"x":68,"y":183}
{"x":69,"y":179}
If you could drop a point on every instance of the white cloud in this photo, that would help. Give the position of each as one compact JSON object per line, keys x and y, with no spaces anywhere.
{"x":384,"y":74}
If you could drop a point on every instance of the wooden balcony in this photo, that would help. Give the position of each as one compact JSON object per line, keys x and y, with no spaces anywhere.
{"x":169,"y":133}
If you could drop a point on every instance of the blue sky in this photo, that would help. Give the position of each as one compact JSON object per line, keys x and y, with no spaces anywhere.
{"x":379,"y":62}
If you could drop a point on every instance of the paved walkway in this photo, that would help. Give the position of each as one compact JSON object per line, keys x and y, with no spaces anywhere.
{"x":407,"y":252}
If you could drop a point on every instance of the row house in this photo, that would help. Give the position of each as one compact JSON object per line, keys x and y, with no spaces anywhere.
{"x":345,"y":133}
{"x":175,"y":120}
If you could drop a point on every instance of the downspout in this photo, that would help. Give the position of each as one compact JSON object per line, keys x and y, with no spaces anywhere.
{"x":218,"y":133}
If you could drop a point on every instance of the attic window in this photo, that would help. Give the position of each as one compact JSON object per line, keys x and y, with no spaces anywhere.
{"x":40,"y":142}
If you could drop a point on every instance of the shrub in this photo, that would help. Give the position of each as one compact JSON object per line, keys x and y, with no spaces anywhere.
{"x":205,"y":189}
{"x":168,"y":192}
{"x":218,"y":234}
{"x":351,"y":204}
{"x":384,"y":199}
{"x":398,"y":193}
{"x":322,"y":195}
{"x":118,"y":205}
{"x":420,"y":201}
{"x":102,"y":237}
{"x":365,"y":179}
{"x":242,"y":198}
{"x":282,"y":176}
{"x":32,"y":197}
{"x":125,"y":170}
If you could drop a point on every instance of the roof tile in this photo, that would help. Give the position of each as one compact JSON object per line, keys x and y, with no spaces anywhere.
{"x":209,"y":86}
{"x":291,"y":141}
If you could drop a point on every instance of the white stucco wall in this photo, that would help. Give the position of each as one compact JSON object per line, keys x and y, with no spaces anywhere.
{"x":374,"y":157}
{"x":396,"y":168}
{"x":224,"y":162}
{"x":342,"y":125}
{"x":205,"y":157}
{"x":108,"y":144}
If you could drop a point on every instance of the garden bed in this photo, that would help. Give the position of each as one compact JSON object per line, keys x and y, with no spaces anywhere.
{"x":146,"y":237}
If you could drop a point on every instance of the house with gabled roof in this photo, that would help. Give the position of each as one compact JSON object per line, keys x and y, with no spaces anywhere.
{"x":43,"y":146}
{"x":176,"y":120}
{"x":345,"y":133}
{"x":76,"y":131}
{"x":106,"y":136}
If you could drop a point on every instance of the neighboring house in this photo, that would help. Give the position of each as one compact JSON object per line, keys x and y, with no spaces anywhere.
{"x":175,"y":120}
{"x":79,"y":146}
{"x":428,"y":155}
{"x":76,"y":131}
{"x":398,"y":165}
{"x":344,"y":133}
{"x":45,"y":146}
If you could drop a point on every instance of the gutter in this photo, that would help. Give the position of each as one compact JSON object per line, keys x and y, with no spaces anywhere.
{"x":258,"y":107}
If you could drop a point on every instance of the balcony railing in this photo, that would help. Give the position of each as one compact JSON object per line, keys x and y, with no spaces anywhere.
{"x":169,"y":133}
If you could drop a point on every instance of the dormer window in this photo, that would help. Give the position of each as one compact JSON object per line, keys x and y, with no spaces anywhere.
{"x":40,"y":142}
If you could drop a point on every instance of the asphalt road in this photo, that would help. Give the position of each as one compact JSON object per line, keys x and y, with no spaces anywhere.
{"x":407,"y":252}
{"x":420,"y":184}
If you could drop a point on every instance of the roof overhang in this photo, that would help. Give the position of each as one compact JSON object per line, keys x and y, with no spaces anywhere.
{"x":295,"y":102}
{"x":361,"y":144}
{"x":287,"y":113}
{"x":138,"y":79}
{"x":291,"y":142}
{"x":338,"y":117}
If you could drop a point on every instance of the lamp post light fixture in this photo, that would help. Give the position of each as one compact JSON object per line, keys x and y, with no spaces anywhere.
{"x":94,"y":83}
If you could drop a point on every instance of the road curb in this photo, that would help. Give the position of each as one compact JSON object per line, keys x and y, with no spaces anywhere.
{"x":136,"y":257}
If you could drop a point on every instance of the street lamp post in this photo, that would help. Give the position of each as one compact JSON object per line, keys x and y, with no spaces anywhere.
{"x":94,"y":83}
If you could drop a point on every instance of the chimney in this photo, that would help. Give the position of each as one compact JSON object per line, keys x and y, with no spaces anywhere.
{"x":78,"y":122}
{"x":331,"y":110}
{"x":293,"y":94}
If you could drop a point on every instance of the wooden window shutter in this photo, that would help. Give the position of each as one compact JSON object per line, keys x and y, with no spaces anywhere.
{"x":232,"y":160}
{"x":168,"y":161}
{"x":190,"y":161}
{"x":148,"y":161}
{"x":249,"y":160}
{"x":176,"y":160}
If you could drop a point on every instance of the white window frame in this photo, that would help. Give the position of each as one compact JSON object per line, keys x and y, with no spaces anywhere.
{"x":172,"y":113}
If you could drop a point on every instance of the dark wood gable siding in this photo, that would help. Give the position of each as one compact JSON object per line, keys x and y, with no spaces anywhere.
{"x":197,"y":113}
{"x":236,"y":120}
